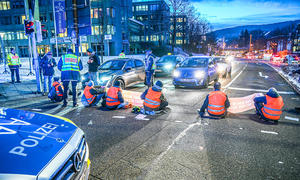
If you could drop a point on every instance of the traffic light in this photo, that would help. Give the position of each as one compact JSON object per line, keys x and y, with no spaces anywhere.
{"x":29,"y":27}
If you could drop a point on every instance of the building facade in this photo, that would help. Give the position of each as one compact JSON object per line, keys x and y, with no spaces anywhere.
{"x":154,"y":14}
{"x":107,"y":18}
{"x":296,"y":40}
{"x":181,"y":24}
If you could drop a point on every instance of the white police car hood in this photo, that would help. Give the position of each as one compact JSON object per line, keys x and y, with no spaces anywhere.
{"x":29,"y":141}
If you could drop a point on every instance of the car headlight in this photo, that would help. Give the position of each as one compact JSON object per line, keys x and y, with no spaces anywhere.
{"x":176,"y":73}
{"x":199,"y":74}
{"x":221,"y":68}
{"x":105,"y":78}
{"x":168,"y":66}
{"x":230,"y":59}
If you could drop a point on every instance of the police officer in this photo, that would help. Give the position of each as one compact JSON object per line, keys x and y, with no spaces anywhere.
{"x":56,"y":92}
{"x":70,"y":65}
{"x":122,"y":54}
{"x":216,"y":103}
{"x":269,"y":107}
{"x":14,"y":64}
{"x":114,"y":98}
{"x":154,"y":99}
{"x":149,"y":67}
{"x":91,"y":96}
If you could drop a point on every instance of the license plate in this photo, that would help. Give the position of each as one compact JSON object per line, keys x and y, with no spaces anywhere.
{"x":187,"y":80}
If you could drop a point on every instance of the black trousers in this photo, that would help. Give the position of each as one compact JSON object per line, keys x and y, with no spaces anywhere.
{"x":66,"y":88}
{"x":13,"y":71}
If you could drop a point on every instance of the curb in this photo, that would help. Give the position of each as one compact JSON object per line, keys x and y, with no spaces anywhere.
{"x":284,"y":78}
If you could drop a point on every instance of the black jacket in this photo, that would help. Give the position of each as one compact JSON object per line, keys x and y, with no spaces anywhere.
{"x":93,"y":66}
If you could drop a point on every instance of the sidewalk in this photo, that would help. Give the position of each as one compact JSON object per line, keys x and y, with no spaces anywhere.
{"x":286,"y":73}
{"x":17,"y":91}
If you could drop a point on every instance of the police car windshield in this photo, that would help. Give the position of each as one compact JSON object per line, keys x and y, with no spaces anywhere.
{"x":195,"y":62}
{"x":167,"y":59}
{"x":219,"y":60}
{"x":113,"y":65}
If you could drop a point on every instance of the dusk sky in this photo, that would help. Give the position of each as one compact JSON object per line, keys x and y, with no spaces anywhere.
{"x":230,"y":13}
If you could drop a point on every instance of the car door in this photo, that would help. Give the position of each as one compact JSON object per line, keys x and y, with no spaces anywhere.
{"x":212,"y":70}
{"x":129,"y":72}
{"x":139,"y":69}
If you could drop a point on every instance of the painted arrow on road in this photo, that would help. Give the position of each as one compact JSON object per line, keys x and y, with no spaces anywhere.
{"x":260,"y":74}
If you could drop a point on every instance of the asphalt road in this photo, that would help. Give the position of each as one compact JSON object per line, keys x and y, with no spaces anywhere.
{"x":180,"y":145}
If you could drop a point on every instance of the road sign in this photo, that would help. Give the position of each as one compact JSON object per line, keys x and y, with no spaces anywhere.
{"x":108,"y":37}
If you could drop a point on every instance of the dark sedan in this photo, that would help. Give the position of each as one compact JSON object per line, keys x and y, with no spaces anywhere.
{"x":127,"y":71}
{"x":167,"y":64}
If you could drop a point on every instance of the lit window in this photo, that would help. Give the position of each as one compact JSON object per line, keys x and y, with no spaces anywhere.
{"x":23,"y":18}
{"x":95,"y":13}
{"x":178,"y":41}
{"x":92,"y":13}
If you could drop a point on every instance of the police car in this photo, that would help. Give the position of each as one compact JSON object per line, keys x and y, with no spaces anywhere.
{"x":39,"y":146}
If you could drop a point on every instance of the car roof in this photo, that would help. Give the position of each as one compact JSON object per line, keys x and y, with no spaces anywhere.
{"x":200,"y":57}
{"x":122,"y":59}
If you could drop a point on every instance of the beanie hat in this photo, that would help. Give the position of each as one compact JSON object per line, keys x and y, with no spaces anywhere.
{"x":117,"y":83}
{"x":56,"y":78}
{"x":90,"y":83}
{"x":90,"y":50}
{"x":217,"y":86}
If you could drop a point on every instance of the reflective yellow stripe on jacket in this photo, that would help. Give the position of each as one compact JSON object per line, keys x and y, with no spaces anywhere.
{"x":70,"y":63}
{"x":13,"y":60}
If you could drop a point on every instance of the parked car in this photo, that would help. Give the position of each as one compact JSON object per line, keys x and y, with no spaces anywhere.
{"x":196,"y":71}
{"x":167,"y":64}
{"x":294,"y":59}
{"x":39,"y":146}
{"x":127,"y":71}
{"x":223,"y":66}
{"x":275,"y":58}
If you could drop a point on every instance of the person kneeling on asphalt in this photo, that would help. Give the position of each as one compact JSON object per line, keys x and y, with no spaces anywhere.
{"x":91,"y":96}
{"x":216,"y":103}
{"x":56,"y":92}
{"x":154,"y":100}
{"x":113,"y":97}
{"x":269,"y":107}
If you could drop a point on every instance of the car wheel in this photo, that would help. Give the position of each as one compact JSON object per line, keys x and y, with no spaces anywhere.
{"x":122,"y":84}
{"x":224,"y":75}
{"x":206,"y":83}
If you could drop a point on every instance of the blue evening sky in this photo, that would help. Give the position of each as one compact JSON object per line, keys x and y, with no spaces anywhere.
{"x":230,"y":13}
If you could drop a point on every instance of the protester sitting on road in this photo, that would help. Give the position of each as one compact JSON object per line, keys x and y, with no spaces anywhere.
{"x":216,"y":103}
{"x":91,"y":96}
{"x":56,"y":91}
{"x":269,"y":107}
{"x":93,"y":64}
{"x":14,"y":64}
{"x":114,"y":98}
{"x":48,"y":63}
{"x":154,"y":99}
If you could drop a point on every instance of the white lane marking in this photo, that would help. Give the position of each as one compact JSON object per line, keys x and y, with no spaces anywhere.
{"x":36,"y":109}
{"x":53,"y":110}
{"x":90,"y":122}
{"x":119,"y":117}
{"x":260,"y":74}
{"x":178,"y":121}
{"x":295,"y":98}
{"x":241,"y":128}
{"x":280,"y":162}
{"x":180,"y":136}
{"x":291,"y":118}
{"x":142,"y":117}
{"x":269,"y":132}
{"x":68,"y":109}
{"x":259,"y":90}
{"x":229,"y":84}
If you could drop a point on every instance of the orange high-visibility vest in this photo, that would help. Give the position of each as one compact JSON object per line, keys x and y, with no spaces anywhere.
{"x":56,"y":85}
{"x":89,"y":97}
{"x":152,"y":99}
{"x":272,"y":110}
{"x":216,"y":103}
{"x":112,"y":96}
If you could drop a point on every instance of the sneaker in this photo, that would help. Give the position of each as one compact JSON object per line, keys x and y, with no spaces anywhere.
{"x":75,"y":105}
{"x":13,"y":82}
{"x":18,"y":81}
{"x":275,"y":121}
{"x":65,"y":105}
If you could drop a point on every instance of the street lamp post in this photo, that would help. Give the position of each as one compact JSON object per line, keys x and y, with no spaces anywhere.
{"x":3,"y":53}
